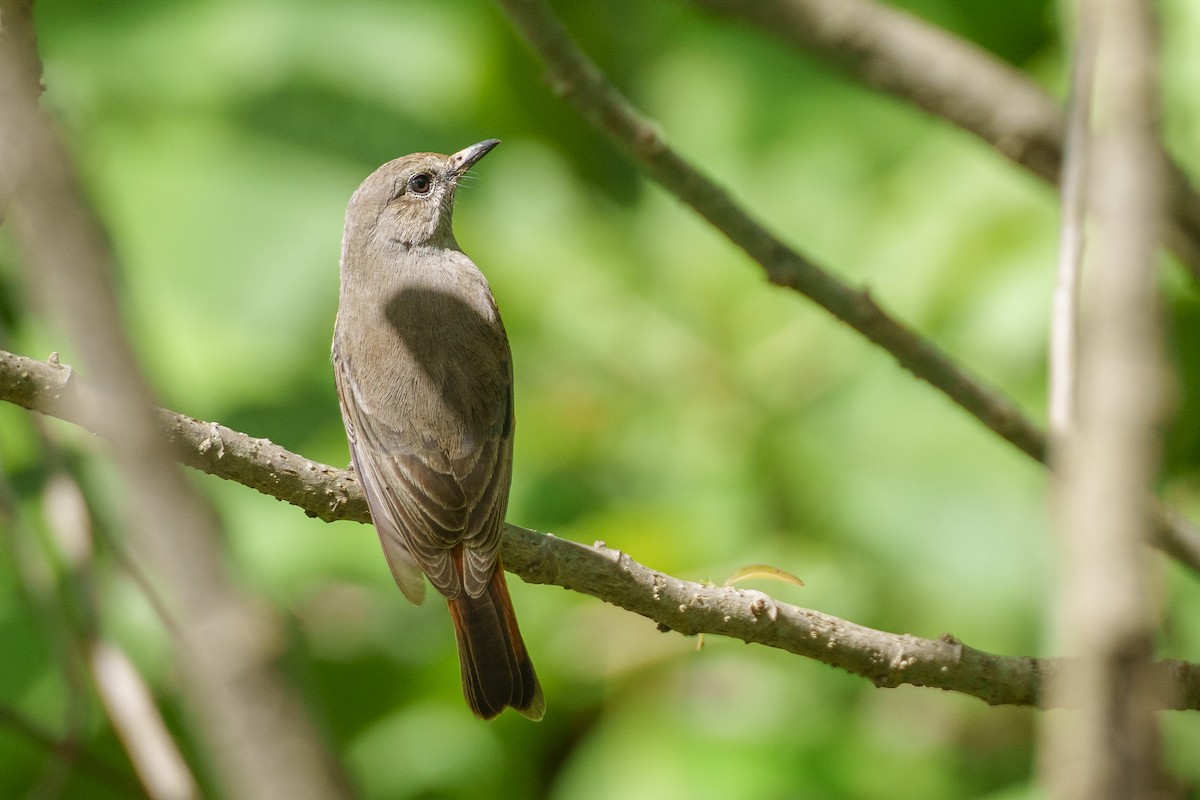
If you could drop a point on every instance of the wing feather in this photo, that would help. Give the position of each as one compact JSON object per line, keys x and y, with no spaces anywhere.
{"x":424,"y":503}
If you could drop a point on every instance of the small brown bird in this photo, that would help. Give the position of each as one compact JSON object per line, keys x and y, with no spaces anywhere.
{"x":424,"y":379}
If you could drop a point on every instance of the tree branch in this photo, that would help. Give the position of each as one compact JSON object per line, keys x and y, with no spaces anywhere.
{"x":1105,"y":612}
{"x":1064,"y":303}
{"x":321,"y":491}
{"x":899,"y":54}
{"x":584,"y":86}
{"x":256,"y":729}
{"x":581,"y":83}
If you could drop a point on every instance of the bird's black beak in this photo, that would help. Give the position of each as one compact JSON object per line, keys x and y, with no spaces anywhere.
{"x":464,"y":159}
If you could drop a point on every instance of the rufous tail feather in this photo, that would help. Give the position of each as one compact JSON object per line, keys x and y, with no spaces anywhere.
{"x":496,"y":670}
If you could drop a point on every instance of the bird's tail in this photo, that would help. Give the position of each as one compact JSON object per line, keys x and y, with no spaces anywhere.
{"x":496,"y":670}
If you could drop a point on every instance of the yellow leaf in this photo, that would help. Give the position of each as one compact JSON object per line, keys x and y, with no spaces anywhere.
{"x":762,"y":571}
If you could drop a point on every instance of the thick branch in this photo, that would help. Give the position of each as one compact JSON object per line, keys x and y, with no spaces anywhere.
{"x":887,"y":659}
{"x":896,"y":53}
{"x":254,"y":724}
{"x":1110,"y":749}
{"x":586,"y":88}
{"x":321,"y":491}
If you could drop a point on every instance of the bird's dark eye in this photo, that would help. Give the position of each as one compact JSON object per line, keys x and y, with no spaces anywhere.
{"x":420,"y":183}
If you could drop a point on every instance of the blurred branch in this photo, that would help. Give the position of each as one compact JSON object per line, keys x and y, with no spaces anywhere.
{"x":259,"y":739}
{"x":1110,"y":749}
{"x":139,"y":725}
{"x":585,"y":87}
{"x":899,"y":54}
{"x":887,"y":659}
{"x":127,"y":699}
{"x":67,"y":620}
{"x":1064,"y":314}
{"x":24,"y":70}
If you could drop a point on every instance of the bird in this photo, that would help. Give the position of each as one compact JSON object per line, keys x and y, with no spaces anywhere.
{"x":424,"y":380}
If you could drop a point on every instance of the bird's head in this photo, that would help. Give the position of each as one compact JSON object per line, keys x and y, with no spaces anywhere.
{"x":409,"y":201}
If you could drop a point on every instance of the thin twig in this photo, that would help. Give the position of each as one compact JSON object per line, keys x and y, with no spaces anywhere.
{"x":581,"y":83}
{"x":64,"y":624}
{"x":127,"y":700}
{"x":584,"y":86}
{"x":899,"y":54}
{"x":137,"y":721}
{"x":887,"y":659}
{"x":1064,"y":314}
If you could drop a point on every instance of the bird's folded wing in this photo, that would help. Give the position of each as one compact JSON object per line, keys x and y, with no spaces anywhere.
{"x":424,"y":503}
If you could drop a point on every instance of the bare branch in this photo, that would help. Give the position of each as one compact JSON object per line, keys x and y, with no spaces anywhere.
{"x":583,"y":85}
{"x":1064,"y":315}
{"x":135,"y":717}
{"x":580,"y":82}
{"x":127,"y":699}
{"x":256,"y":730}
{"x":887,"y":659}
{"x":896,"y":53}
{"x":71,"y":633}
{"x":1110,"y":749}
{"x":321,"y":491}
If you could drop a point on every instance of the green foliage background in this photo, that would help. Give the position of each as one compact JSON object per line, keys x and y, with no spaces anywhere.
{"x":669,"y":401}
